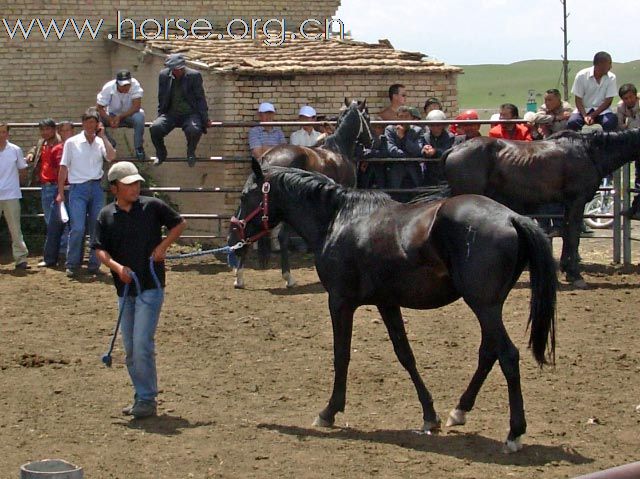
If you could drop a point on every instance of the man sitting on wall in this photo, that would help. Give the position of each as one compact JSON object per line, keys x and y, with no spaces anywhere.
{"x":181,"y":103}
{"x":119,"y":103}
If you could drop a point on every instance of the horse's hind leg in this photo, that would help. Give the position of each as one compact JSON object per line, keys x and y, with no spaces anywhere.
{"x":283,"y":238}
{"x":392,"y":318}
{"x":496,"y":344}
{"x":342,"y":322}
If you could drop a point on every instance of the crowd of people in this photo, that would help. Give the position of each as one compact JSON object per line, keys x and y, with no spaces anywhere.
{"x":68,"y":167}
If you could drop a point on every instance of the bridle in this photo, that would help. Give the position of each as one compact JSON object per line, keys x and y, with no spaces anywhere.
{"x":262,"y":208}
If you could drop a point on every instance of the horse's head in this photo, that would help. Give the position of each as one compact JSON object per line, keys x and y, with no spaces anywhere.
{"x":254,"y":217}
{"x":355,"y":116}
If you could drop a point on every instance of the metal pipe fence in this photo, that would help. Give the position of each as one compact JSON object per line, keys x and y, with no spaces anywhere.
{"x":621,"y":230}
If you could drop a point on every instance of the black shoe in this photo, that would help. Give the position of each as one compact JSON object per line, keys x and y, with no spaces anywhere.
{"x":23,"y":266}
{"x":191,"y":160}
{"x":142,"y":409}
{"x":140,"y":155}
{"x":161,"y":156}
{"x":586,"y":231}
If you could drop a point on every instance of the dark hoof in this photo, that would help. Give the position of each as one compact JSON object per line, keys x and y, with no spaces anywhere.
{"x":577,"y":282}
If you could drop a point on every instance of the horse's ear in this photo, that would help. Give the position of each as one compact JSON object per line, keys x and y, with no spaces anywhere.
{"x":257,"y":170}
{"x":363,"y":105}
{"x":346,"y":102}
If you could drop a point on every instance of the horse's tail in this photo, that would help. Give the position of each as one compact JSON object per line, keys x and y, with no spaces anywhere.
{"x":544,"y":283}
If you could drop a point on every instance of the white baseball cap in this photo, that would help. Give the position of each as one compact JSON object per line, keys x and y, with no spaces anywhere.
{"x":307,"y":111}
{"x":266,"y":107}
{"x":124,"y":172}
{"x":436,"y":115}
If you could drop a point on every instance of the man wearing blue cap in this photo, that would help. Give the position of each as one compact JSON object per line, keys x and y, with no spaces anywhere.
{"x":181,"y":103}
{"x":263,"y":138}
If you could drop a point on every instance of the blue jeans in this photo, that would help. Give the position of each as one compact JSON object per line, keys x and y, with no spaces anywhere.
{"x":50,"y":208}
{"x":609,"y":121}
{"x":139,"y":322}
{"x":85,"y":202}
{"x":135,"y":121}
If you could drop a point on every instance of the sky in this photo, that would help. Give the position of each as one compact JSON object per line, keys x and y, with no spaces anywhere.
{"x":471,"y":32}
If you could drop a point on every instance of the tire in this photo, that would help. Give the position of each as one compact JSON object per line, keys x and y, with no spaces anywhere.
{"x":601,"y":204}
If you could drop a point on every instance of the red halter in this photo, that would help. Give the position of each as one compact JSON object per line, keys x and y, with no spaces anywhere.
{"x":261,"y":208}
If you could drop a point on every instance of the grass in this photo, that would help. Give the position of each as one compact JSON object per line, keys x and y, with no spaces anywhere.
{"x":488,"y":86}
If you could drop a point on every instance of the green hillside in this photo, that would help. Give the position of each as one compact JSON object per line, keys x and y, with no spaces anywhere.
{"x":488,"y":86}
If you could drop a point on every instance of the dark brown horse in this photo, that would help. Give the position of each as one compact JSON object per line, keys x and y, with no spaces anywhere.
{"x":335,"y":159}
{"x":566,"y":168}
{"x":370,"y":249}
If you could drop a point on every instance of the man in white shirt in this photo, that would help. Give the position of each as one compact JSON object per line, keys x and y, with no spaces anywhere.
{"x":594,"y":89}
{"x":12,"y":168}
{"x":81,"y":164}
{"x":119,"y":103}
{"x":307,"y":135}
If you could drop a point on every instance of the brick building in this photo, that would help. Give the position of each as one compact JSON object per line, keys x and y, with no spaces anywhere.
{"x":238,"y":74}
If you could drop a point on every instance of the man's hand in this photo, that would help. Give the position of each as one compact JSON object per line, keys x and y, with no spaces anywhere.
{"x":124,"y":275}
{"x":401,"y":130}
{"x":100,"y":130}
{"x":159,"y":253}
{"x":428,"y":151}
{"x":29,"y":158}
{"x":114,"y":121}
{"x":588,"y":120}
{"x":59,"y":198}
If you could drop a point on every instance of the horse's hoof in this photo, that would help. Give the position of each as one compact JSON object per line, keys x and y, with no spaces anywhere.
{"x":457,"y":417}
{"x":319,"y":422}
{"x":512,"y":446}
{"x":238,"y":285}
{"x":432,"y":427}
{"x":290,"y":282}
{"x":579,"y":283}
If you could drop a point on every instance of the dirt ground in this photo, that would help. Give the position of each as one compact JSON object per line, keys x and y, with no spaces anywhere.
{"x":244,"y":373}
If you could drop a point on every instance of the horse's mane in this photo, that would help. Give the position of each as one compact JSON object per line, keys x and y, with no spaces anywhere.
{"x":601,"y":139}
{"x":323,"y":189}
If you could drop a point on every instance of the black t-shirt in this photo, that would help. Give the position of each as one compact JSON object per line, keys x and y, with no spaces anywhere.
{"x":130,"y":238}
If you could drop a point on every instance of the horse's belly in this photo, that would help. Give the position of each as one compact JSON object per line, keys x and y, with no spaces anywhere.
{"x":422,"y":289}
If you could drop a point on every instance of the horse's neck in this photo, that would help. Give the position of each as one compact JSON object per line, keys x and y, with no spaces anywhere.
{"x":344,"y":138}
{"x":616,"y":150}
{"x":309,"y":217}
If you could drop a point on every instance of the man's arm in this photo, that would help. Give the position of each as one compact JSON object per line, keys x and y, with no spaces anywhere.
{"x":122,"y":271}
{"x":63,"y":173}
{"x":110,"y":150}
{"x":160,"y":251}
{"x":603,"y":106}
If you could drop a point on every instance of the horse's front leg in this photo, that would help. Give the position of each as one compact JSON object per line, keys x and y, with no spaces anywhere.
{"x":392,"y":317}
{"x":238,"y":271}
{"x":342,"y":322}
{"x":571,"y":243}
{"x":283,"y":238}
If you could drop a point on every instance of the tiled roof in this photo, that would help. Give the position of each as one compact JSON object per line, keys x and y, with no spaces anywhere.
{"x":300,"y":56}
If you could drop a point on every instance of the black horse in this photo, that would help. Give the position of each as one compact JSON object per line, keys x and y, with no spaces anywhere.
{"x":566,"y":168}
{"x":335,"y":158}
{"x":370,"y":249}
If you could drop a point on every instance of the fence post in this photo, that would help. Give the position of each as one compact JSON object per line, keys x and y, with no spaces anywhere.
{"x":626,"y":204}
{"x":617,"y":229}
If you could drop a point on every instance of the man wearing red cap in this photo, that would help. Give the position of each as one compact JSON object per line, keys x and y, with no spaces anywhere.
{"x":466,"y":131}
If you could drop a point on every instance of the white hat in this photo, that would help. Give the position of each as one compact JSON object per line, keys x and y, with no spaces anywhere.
{"x":266,"y":107}
{"x":495,"y":117}
{"x":307,"y":111}
{"x":124,"y":172}
{"x":436,"y":115}
{"x":529,"y":117}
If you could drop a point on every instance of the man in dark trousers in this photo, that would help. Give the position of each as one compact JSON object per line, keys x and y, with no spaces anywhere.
{"x":128,"y":234}
{"x":181,"y":103}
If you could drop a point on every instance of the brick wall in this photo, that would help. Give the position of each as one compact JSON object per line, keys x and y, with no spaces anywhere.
{"x":60,"y":78}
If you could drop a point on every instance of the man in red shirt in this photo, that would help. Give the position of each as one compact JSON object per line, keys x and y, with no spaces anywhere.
{"x":57,"y":230}
{"x":510,"y":131}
